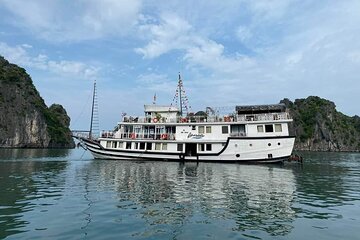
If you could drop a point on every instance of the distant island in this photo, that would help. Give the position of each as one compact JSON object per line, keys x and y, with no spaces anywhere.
{"x":25,"y":120}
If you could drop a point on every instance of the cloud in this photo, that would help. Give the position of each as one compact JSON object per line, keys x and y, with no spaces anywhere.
{"x":243,"y":33}
{"x":19,"y":55}
{"x":175,"y":33}
{"x":293,"y":49}
{"x":155,"y":82}
{"x":239,"y":51}
{"x":172,"y":33}
{"x":78,"y":20}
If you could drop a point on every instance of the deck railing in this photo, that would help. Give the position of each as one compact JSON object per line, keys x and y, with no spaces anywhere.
{"x":263,"y":117}
{"x":163,"y":136}
{"x":80,"y":133}
{"x":212,"y":119}
{"x":238,"y":134}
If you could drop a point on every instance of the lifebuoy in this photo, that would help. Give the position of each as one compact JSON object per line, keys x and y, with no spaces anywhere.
{"x":164,"y":136}
{"x":183,"y":120}
{"x":155,"y":120}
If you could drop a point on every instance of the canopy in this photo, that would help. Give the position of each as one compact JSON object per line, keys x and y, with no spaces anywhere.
{"x":253,"y":109}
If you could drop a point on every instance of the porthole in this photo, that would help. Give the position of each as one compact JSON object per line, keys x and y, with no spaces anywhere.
{"x":278,"y":143}
{"x":269,"y":144}
{"x":236,"y":145}
{"x":250,"y":144}
{"x":237,"y":155}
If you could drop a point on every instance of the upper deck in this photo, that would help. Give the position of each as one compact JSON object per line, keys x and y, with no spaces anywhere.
{"x":243,"y":114}
{"x":243,"y":118}
{"x":254,"y":121}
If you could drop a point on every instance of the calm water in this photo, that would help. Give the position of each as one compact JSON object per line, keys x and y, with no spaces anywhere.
{"x":64,"y":194}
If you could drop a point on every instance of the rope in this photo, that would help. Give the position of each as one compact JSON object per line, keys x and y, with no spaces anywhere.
{"x":82,"y":111}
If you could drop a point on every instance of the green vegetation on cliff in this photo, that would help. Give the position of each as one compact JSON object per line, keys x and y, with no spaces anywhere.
{"x":58,"y":123}
{"x":320,"y":127}
{"x":25,"y":120}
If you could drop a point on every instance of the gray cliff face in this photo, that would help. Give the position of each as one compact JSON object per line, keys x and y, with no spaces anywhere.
{"x":24,"y":117}
{"x":318,"y":126}
{"x":29,"y":131}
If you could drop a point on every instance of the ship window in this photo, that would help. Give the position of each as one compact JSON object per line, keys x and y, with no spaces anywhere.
{"x":142,"y":145}
{"x":278,"y":128}
{"x":180,"y":147}
{"x":120,"y":145}
{"x":108,"y":144}
{"x":260,"y":128}
{"x":136,"y":145}
{"x":193,"y":127}
{"x":201,"y":147}
{"x":114,"y":144}
{"x":128,"y":145}
{"x":269,"y":128}
{"x":208,"y":147}
{"x":148,"y":146}
{"x":164,"y":146}
{"x":157,"y":146}
{"x":201,"y":129}
{"x":225,"y":129}
{"x":208,"y":129}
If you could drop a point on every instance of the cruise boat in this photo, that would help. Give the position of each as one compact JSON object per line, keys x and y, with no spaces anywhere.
{"x":257,"y":133}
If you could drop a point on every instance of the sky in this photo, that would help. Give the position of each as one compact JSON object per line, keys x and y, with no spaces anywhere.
{"x":234,"y":52}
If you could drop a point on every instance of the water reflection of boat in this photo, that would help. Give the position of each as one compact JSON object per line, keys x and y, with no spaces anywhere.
{"x":252,"y":197}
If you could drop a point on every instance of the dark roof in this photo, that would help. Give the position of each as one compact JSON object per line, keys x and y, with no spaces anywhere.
{"x":260,"y":108}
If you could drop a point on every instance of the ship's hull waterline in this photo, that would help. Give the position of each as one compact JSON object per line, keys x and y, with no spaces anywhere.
{"x":246,"y":150}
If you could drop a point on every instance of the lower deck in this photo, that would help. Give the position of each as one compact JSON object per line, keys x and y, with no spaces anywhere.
{"x":233,"y":149}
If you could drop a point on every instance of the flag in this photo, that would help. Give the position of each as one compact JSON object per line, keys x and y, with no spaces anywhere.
{"x":154,"y":99}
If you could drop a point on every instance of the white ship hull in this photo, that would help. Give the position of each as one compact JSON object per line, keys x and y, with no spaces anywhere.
{"x":255,"y":133}
{"x":267,"y":149}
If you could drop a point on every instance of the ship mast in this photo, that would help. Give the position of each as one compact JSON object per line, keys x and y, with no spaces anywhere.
{"x":94,"y":110}
{"x":180,"y":90}
{"x":180,"y":95}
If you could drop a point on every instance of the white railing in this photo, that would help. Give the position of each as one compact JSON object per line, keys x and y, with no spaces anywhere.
{"x":238,"y":134}
{"x":263,"y":117}
{"x":163,"y":136}
{"x":80,"y":133}
{"x":201,"y":119}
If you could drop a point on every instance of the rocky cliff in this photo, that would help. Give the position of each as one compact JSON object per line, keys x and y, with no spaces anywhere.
{"x":318,"y":126}
{"x":25,"y":120}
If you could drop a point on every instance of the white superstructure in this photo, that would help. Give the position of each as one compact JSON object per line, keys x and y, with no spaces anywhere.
{"x":251,"y":133}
